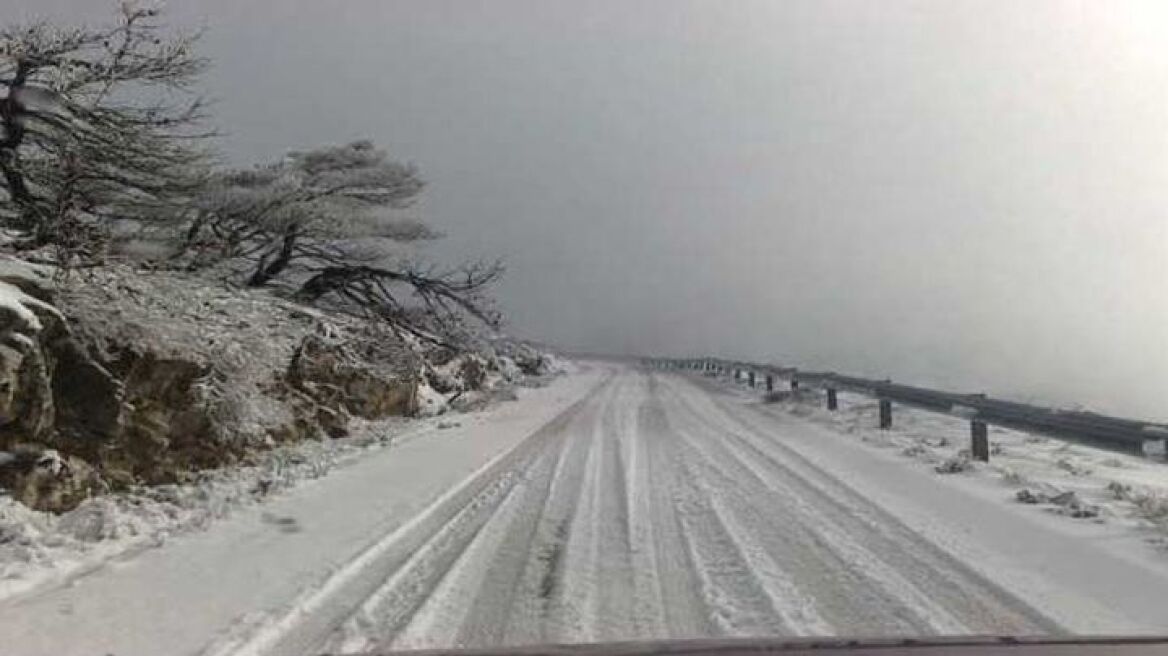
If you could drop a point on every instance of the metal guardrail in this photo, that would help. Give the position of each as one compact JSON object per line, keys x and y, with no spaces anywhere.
{"x":1127,"y":435}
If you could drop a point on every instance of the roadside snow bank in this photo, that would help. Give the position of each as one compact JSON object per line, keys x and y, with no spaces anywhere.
{"x":213,"y":591}
{"x":1077,"y":481}
{"x":38,"y":548}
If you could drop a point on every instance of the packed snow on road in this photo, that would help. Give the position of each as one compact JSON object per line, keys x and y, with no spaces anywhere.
{"x":621,"y":503}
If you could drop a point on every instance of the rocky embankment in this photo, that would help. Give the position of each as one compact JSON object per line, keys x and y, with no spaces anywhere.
{"x":113,"y":378}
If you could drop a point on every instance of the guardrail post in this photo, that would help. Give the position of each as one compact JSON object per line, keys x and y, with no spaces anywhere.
{"x":885,"y":414}
{"x":832,"y":403}
{"x":770,"y":383}
{"x":981,"y":443}
{"x":750,"y":378}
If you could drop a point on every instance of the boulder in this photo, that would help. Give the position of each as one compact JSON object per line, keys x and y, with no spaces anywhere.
{"x":93,"y":402}
{"x":119,"y":377}
{"x":473,"y":372}
{"x":29,"y":328}
{"x":43,"y":479}
{"x":371,"y":377}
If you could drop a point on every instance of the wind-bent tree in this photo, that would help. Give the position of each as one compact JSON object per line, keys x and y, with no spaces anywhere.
{"x":97,"y":124}
{"x":326,"y":221}
{"x":319,"y":206}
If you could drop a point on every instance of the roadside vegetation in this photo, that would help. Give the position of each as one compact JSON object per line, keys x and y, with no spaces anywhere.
{"x":162,"y":315}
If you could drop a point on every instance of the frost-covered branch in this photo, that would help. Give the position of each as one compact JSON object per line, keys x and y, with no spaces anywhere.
{"x":430,"y":304}
{"x":308,"y":208}
{"x":97,"y":123}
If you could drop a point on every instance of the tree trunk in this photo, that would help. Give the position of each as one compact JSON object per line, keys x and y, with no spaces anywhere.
{"x":265,"y":271}
{"x":10,"y":114}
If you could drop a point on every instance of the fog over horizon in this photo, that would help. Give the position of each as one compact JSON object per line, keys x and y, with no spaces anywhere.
{"x":972,"y":195}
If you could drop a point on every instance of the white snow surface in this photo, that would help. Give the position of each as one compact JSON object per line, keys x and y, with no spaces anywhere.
{"x":179,"y":570}
{"x":620,"y":504}
{"x":40,"y":549}
{"x":1128,"y":493}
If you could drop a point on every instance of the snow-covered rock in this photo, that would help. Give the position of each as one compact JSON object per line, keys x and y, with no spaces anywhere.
{"x":430,"y":401}
{"x":367,"y":375}
{"x":131,"y":377}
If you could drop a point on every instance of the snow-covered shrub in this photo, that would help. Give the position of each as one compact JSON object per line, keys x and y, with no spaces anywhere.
{"x":1012,"y":477}
{"x":915,"y":451}
{"x":955,"y":465}
{"x":1153,"y":507}
{"x":1064,"y":502}
{"x":1072,"y":468}
{"x":1120,"y":491}
{"x":507,"y":368}
{"x":1026,"y":495}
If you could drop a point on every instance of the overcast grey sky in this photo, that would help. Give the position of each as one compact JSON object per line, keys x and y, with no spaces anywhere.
{"x":969,"y":194}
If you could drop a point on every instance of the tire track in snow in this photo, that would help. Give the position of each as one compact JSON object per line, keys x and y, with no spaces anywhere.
{"x":735,"y":597}
{"x":500,"y":600}
{"x":822,"y":587}
{"x":795,"y":572}
{"x":536,"y":592}
{"x":648,"y":603}
{"x":683,"y":609}
{"x":595,"y":600}
{"x":652,"y":510}
{"x":486,"y":564}
{"x":612,"y":565}
{"x":331,"y":614}
{"x":469,"y":593}
{"x":389,"y":609}
{"x":944,"y":592}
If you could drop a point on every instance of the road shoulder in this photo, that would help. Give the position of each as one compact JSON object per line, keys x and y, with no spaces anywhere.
{"x":210,"y":586}
{"x":1086,"y":577}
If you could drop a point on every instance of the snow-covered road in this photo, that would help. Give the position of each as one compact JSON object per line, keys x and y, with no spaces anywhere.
{"x":654,"y":506}
{"x":651,"y":511}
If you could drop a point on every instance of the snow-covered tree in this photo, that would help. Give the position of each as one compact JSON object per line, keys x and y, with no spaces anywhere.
{"x":329,"y":222}
{"x":97,"y":124}
{"x":330,"y":205}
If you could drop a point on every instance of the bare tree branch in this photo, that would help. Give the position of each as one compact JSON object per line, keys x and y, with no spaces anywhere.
{"x":82,"y":134}
{"x":425,"y":304}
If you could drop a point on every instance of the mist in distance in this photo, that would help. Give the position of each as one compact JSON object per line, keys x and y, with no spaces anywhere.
{"x":972,"y":195}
